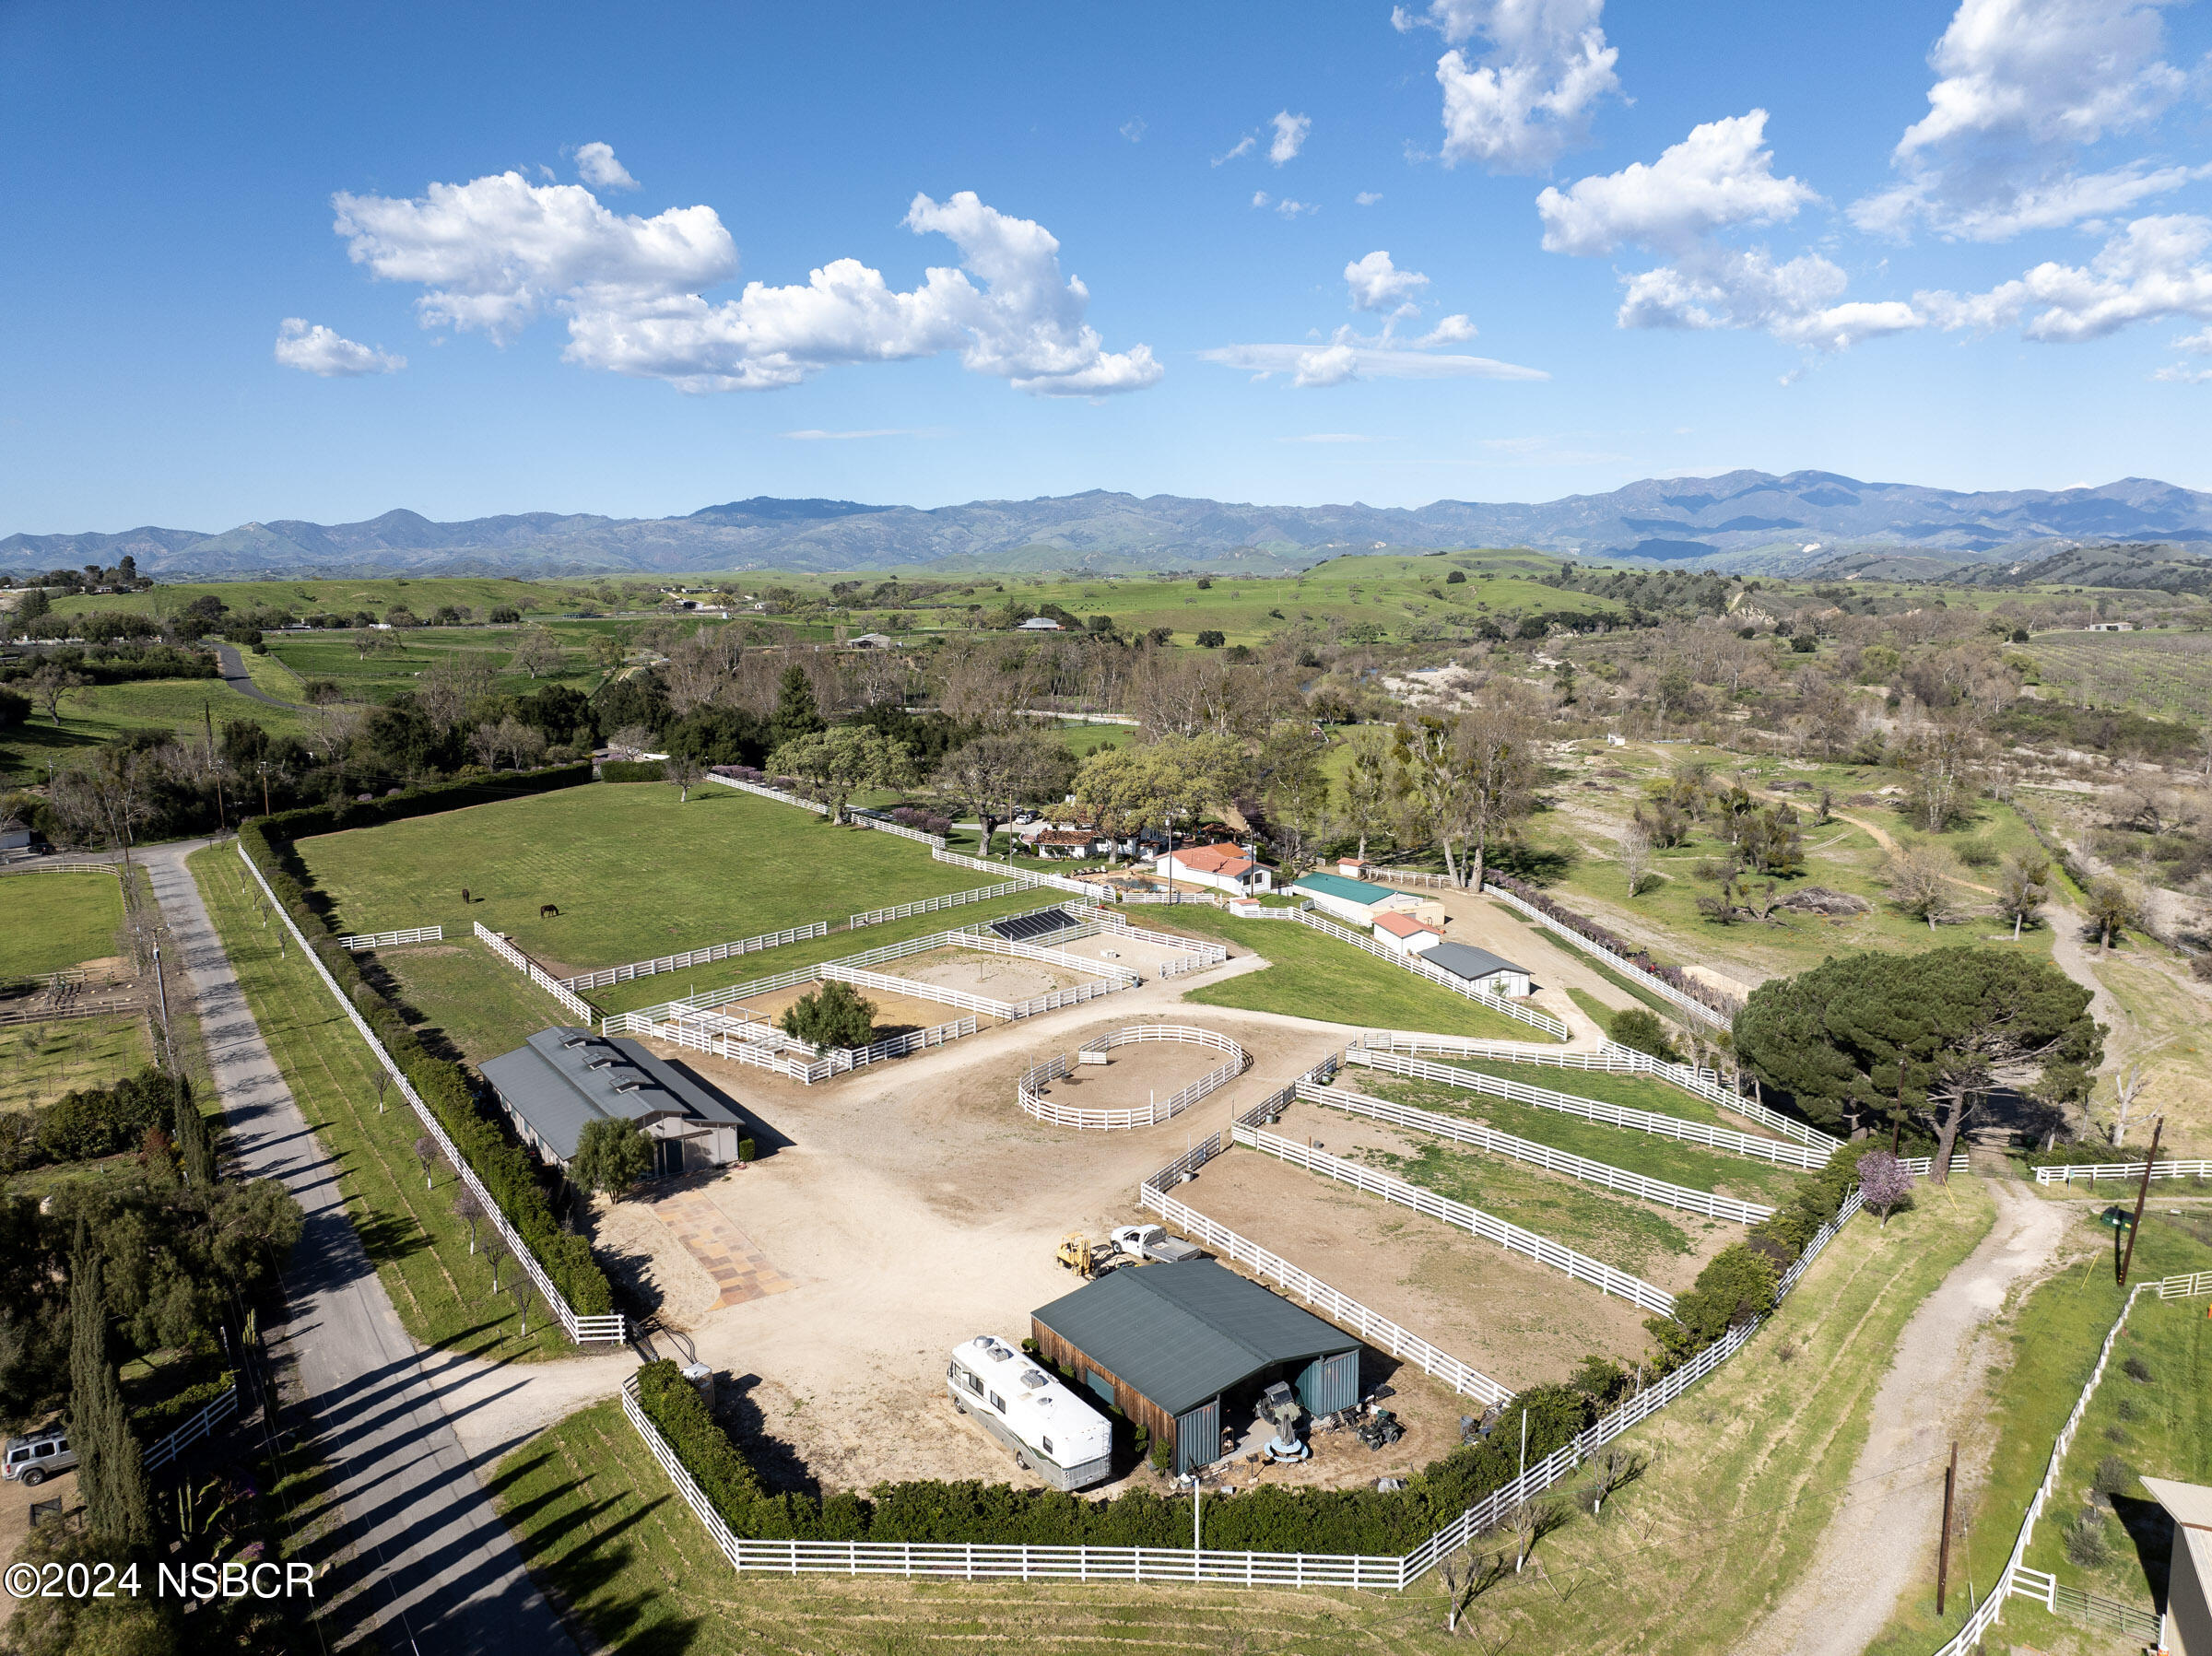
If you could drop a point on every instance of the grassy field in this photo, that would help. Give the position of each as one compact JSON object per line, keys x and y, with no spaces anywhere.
{"x":97,"y":715}
{"x":634,"y":872}
{"x":48,"y":921}
{"x":2165,"y":673}
{"x":468,"y":999}
{"x":1625,"y":1235}
{"x":2055,"y":1335}
{"x":1742,"y":1476}
{"x":1631,"y":1092}
{"x":38,"y":1063}
{"x":442,"y":1294}
{"x":1310,"y":974}
{"x":301,"y":597}
{"x":380,"y":677}
{"x":1644,"y":1153}
{"x":2169,"y":1036}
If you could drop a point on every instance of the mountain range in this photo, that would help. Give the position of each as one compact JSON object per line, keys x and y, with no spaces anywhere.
{"x":1745,"y":520}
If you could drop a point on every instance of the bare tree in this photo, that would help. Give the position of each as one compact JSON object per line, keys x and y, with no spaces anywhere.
{"x":469,"y":1211}
{"x":2022,"y":888}
{"x":536,"y":652}
{"x":495,"y":1250}
{"x":1617,"y":1468}
{"x":426,"y":1152}
{"x":510,"y":739}
{"x":685,"y":771}
{"x":702,"y":669}
{"x":447,"y":691}
{"x":1465,"y":1573}
{"x":630,"y":740}
{"x":50,"y":684}
{"x":1919,"y":885}
{"x":1367,"y":785}
{"x":523,"y":1290}
{"x":2127,"y":1086}
{"x":1635,"y":856}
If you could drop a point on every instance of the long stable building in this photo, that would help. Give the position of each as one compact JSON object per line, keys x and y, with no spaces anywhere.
{"x":564,"y":1080}
{"x":1168,"y":1344}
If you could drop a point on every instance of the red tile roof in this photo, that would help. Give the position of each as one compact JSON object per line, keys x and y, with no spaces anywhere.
{"x":1225,"y":860}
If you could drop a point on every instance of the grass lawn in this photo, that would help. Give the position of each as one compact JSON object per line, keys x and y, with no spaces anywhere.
{"x":1644,"y":1153}
{"x":301,"y":597}
{"x":1742,"y":1476}
{"x":2169,"y":1036}
{"x":1624,"y":1234}
{"x":333,"y":655}
{"x":468,"y":999}
{"x":1312,"y":975}
{"x":38,"y":1063}
{"x":271,"y":676}
{"x":50,"y":922}
{"x":634,"y":872}
{"x":1631,"y":1092}
{"x":97,"y":715}
{"x":2055,"y":1333}
{"x":442,"y":1294}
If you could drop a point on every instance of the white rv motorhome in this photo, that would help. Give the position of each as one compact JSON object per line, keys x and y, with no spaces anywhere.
{"x":1048,"y":1429}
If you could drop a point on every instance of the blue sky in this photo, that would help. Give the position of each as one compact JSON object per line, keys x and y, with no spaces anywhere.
{"x":1656,"y":240}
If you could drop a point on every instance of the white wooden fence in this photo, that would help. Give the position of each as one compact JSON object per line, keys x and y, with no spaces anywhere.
{"x":1613,"y":1115}
{"x":2093,"y":1171}
{"x":222,"y":1408}
{"x":2031,"y":1583}
{"x":1026,"y":876}
{"x":1626,"y":968}
{"x":1199,"y":953}
{"x":1556,"y":1161}
{"x":1513,"y":1238}
{"x":765,"y":792}
{"x":1411,"y":876}
{"x":583,"y":1330}
{"x":1421,"y":969}
{"x":571,"y":1001}
{"x":981,"y":894}
{"x":765,"y":1047}
{"x":383,"y":940}
{"x":1345,"y":1312}
{"x":1028,"y":1090}
{"x":689,"y":957}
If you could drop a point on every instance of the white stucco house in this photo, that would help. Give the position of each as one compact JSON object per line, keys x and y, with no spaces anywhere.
{"x":1228,"y":868}
{"x":1405,"y":935}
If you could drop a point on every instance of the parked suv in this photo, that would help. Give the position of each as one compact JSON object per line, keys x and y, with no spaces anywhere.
{"x":35,"y":1459}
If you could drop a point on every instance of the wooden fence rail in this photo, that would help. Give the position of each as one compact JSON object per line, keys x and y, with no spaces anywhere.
{"x":981,"y":894}
{"x":1028,"y":1090}
{"x":201,"y":1425}
{"x":1543,"y":1155}
{"x":1626,"y":968}
{"x":383,"y":940}
{"x":1531,"y":1015}
{"x":689,"y":957}
{"x":571,"y":1001}
{"x":2093,"y":1171}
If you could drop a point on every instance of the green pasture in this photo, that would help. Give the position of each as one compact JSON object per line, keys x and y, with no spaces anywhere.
{"x":1644,"y":1153}
{"x":383,"y":673}
{"x":99,"y":713}
{"x":441,"y":1292}
{"x":464,"y":1002}
{"x":303,"y":597}
{"x":633,"y":873}
{"x":1312,"y":975}
{"x":52,"y":920}
{"x":2054,"y":1338}
{"x":38,"y":1063}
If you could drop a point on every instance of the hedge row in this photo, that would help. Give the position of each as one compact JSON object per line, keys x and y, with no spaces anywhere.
{"x":634,"y":771}
{"x":93,"y":1122}
{"x":508,"y":1172}
{"x":1738,"y":1283}
{"x":1269,"y":1519}
{"x":163,"y":661}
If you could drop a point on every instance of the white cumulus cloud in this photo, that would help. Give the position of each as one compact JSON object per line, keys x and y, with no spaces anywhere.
{"x":1242,"y":146}
{"x":1723,"y":174}
{"x":1289,"y":135}
{"x":2023,"y":88}
{"x":315,"y":350}
{"x":595,"y":164}
{"x":1343,"y":360}
{"x":2151,"y":270}
{"x":1367,"y":198}
{"x":1378,"y":285}
{"x":499,"y":252}
{"x":1527,"y":98}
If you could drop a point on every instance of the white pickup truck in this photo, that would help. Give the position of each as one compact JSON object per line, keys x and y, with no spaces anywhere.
{"x":1151,"y":1243}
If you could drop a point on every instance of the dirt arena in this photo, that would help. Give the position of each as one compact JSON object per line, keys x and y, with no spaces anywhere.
{"x":994,"y":976}
{"x":1134,"y":1074}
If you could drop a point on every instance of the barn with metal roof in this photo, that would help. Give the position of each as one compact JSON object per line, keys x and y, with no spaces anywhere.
{"x":563,"y":1079}
{"x":1170,"y":1344}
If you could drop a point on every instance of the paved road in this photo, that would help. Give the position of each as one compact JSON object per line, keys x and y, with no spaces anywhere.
{"x":236,"y":677}
{"x":435,"y":1563}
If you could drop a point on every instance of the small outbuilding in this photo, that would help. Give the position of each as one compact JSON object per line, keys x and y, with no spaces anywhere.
{"x":560,"y":1080}
{"x":1359,"y":902}
{"x":1405,"y":935}
{"x":2189,"y":1578}
{"x":1493,"y":974}
{"x":1179,"y":1346}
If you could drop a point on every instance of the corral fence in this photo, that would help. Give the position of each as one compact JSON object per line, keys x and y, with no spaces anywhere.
{"x":2139,"y":1626}
{"x":765,"y":1047}
{"x":571,"y":1001}
{"x":1625,"y":967}
{"x":1028,"y":877}
{"x":384,"y":940}
{"x":1613,"y":1115}
{"x":964,"y":1561}
{"x":1421,"y":969}
{"x":1198,"y":953}
{"x":2093,"y":1171}
{"x":689,"y":957}
{"x":223,"y":1406}
{"x":981,"y":894}
{"x":1513,"y":1238}
{"x":1556,"y":1161}
{"x":2034,"y":1583}
{"x":1029,"y":1089}
{"x":583,"y":1330}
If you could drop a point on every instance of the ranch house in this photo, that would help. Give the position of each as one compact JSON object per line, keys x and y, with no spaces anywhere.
{"x":1228,"y":868}
{"x":560,"y":1080}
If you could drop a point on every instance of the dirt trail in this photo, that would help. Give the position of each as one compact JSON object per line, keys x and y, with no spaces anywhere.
{"x":1882,"y":1544}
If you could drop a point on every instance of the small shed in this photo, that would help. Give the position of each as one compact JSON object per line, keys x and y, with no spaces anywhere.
{"x":1171,"y":1344}
{"x":2189,"y":1581}
{"x":1493,"y":974}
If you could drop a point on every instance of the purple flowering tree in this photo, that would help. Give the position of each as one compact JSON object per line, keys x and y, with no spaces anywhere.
{"x":1883,"y":1181}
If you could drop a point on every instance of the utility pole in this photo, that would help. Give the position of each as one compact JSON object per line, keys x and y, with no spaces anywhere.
{"x":1943,"y":1547}
{"x":2142,"y":1194}
{"x":265,"y":788}
{"x":161,"y":983}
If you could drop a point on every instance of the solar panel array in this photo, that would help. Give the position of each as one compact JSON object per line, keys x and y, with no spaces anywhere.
{"x":1027,"y":928}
